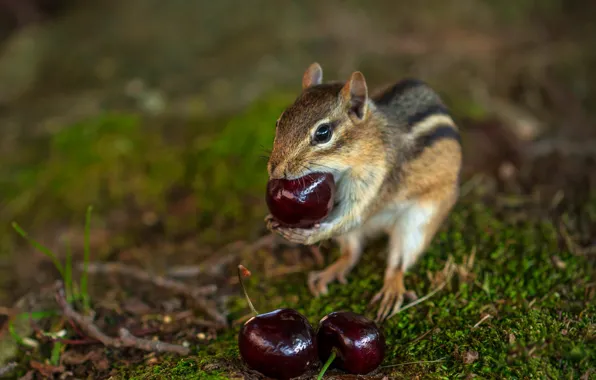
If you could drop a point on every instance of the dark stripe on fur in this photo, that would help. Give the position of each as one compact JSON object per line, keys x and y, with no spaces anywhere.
{"x":441,"y":132}
{"x":397,"y":90}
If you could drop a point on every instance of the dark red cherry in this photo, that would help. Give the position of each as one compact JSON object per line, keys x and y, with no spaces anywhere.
{"x":301,"y":202}
{"x":356,"y":341}
{"x":280,"y":344}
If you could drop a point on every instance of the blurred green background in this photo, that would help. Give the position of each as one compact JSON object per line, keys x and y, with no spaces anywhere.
{"x":159,"y":113}
{"x":135,"y":106}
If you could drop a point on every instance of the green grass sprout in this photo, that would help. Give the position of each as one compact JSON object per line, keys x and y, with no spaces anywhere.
{"x":86,"y":258}
{"x":46,"y":251}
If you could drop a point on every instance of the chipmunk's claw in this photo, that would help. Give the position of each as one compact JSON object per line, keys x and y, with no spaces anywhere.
{"x":271,"y":223}
{"x":391,"y":297}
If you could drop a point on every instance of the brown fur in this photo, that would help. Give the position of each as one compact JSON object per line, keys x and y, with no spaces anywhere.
{"x":396,"y":148}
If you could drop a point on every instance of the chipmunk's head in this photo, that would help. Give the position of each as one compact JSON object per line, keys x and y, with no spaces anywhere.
{"x":322,"y":130}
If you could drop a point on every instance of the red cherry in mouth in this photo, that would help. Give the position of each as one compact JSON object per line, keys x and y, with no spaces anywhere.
{"x":301,"y":202}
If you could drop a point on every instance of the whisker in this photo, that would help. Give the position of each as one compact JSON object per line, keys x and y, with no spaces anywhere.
{"x":266,"y":150}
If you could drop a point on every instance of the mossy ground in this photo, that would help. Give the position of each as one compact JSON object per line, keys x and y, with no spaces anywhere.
{"x":541,"y":324}
{"x":542,"y":316}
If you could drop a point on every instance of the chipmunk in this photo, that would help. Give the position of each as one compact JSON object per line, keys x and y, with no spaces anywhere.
{"x":395,"y":157}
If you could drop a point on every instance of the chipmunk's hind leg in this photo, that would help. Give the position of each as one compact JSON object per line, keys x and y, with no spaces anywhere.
{"x":408,"y":239}
{"x":350,"y":246}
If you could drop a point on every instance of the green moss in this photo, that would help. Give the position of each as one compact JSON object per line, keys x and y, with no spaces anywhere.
{"x":120,"y":160}
{"x":541,"y":324}
{"x":233,"y":161}
{"x":107,"y":157}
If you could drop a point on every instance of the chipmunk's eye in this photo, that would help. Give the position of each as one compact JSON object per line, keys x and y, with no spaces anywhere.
{"x":322,"y":134}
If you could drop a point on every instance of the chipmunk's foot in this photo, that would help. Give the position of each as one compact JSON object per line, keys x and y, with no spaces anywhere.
{"x":391,"y":296}
{"x":318,"y":280}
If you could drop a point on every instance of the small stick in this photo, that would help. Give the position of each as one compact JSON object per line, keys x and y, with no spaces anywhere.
{"x":126,"y":339}
{"x":230,"y":253}
{"x":159,"y":281}
{"x":90,"y":329}
{"x":487,"y":316}
{"x":195,"y":293}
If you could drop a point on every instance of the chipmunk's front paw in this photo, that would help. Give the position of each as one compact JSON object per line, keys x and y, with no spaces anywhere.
{"x":271,"y":223}
{"x":299,"y":235}
{"x":306,"y":236}
{"x":391,"y":296}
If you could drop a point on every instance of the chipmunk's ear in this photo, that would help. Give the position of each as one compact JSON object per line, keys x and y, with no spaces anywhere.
{"x":355,"y":96}
{"x":312,"y":76}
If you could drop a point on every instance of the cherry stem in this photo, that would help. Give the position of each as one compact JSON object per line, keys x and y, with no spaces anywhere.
{"x":327,"y":364}
{"x":242,"y":271}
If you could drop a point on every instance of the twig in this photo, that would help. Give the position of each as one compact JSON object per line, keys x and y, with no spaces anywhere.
{"x":144,"y":276}
{"x":126,"y":339}
{"x":229,"y":253}
{"x":90,"y":329}
{"x":487,"y":316}
{"x":195,"y":293}
{"x":8,"y":368}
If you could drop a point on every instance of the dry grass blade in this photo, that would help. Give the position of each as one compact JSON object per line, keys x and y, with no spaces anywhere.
{"x":449,"y":269}
{"x":487,"y":316}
